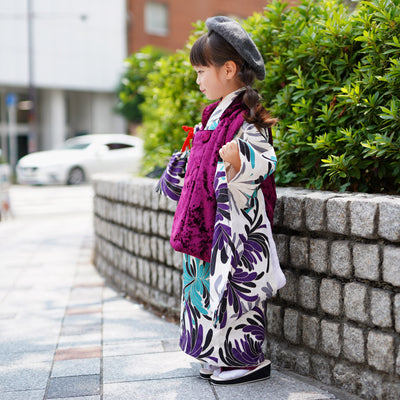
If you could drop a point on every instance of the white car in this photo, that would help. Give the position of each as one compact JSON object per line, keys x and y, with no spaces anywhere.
{"x":80,"y":158}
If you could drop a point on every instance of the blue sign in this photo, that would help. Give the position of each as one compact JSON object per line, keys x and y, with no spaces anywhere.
{"x":11,"y":99}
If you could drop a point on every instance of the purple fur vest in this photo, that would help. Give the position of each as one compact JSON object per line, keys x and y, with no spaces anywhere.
{"x":194,"y":220}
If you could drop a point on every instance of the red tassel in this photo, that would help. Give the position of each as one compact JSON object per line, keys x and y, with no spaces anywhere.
{"x":189,"y":137}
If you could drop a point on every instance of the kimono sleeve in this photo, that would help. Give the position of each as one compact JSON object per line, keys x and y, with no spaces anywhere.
{"x":258,"y":161}
{"x":171,"y":182}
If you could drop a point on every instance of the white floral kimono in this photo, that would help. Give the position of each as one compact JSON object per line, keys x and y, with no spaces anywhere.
{"x":224,"y":300}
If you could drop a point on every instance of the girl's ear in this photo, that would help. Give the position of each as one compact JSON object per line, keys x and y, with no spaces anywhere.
{"x":230,"y":69}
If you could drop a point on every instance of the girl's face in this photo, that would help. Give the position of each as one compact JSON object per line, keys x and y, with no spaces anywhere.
{"x":212,"y":81}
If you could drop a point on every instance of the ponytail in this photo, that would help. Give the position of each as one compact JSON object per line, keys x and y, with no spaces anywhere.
{"x":258,"y":115}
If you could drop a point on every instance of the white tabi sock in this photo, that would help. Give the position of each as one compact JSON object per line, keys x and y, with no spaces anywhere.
{"x":232,"y":374}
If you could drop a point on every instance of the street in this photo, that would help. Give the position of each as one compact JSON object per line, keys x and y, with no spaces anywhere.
{"x":34,"y":201}
{"x":40,"y":245}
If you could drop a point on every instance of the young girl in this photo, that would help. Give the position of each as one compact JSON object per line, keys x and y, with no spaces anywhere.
{"x":222,"y":224}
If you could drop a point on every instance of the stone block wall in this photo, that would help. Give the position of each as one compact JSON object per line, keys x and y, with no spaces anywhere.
{"x":338,"y":317}
{"x":132,"y":224}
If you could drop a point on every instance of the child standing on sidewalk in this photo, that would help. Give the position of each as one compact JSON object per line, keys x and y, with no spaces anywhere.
{"x":222,"y":222}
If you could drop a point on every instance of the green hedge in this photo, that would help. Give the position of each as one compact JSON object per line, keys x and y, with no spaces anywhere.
{"x":332,"y":79}
{"x":134,"y":80}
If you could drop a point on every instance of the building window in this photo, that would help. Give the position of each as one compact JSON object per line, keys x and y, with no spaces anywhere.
{"x":24,"y":108}
{"x":156,"y":18}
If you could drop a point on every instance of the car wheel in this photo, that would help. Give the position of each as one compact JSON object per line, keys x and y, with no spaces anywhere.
{"x":76,"y":176}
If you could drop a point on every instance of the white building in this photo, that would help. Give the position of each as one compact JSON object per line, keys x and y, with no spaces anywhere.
{"x":65,"y":57}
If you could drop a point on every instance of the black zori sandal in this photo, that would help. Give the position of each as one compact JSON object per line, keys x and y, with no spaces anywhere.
{"x":261,"y":372}
{"x":205,"y":373}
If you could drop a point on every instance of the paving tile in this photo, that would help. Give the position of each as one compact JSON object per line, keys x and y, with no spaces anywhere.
{"x":88,"y":366}
{"x":6,"y":316}
{"x":54,"y":315}
{"x":149,"y":366}
{"x":133,"y":347}
{"x":80,"y":398}
{"x":86,"y":339}
{"x":114,"y":303}
{"x":74,"y":353}
{"x":120,"y":306}
{"x":81,"y":302}
{"x":163,"y":389}
{"x":82,"y":319}
{"x":10,"y":345}
{"x":278,"y":387}
{"x":89,"y":285}
{"x":16,"y":377}
{"x":23,"y":358}
{"x":85,"y":301}
{"x":86,"y":292}
{"x":23,"y":395}
{"x":79,"y":329}
{"x":41,"y":324}
{"x":136,"y":324}
{"x":17,"y":300}
{"x":74,"y":386}
{"x":82,"y":310}
{"x":171,"y":344}
{"x":30,"y":330}
{"x":86,"y":272}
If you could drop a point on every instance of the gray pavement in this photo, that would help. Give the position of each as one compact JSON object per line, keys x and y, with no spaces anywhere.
{"x":65,"y":334}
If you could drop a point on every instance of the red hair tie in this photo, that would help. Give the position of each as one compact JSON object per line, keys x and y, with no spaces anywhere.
{"x":189,"y":137}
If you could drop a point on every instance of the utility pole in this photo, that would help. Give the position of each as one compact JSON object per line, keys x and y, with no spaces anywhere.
{"x":11,"y":157}
{"x":32,"y":138}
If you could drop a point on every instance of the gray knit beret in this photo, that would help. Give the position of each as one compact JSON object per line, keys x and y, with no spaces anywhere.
{"x":240,"y":40}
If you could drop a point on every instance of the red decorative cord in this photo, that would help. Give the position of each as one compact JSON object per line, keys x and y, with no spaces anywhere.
{"x":189,"y":137}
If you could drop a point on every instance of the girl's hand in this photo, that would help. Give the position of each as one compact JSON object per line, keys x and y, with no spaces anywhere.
{"x":230,"y":153}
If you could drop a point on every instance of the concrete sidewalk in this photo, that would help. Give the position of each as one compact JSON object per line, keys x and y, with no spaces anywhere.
{"x":65,"y":334}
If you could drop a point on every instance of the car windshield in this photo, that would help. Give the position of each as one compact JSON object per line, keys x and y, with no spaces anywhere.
{"x":74,"y":146}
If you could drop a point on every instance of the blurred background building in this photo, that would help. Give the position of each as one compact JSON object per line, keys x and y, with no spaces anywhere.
{"x":167,"y":23}
{"x":60,"y":65}
{"x":61,"y":61}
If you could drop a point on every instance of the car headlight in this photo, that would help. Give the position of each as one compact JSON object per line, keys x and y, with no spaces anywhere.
{"x":53,"y":172}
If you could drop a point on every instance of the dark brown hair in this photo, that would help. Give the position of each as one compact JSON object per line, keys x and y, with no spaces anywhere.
{"x":213,"y":49}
